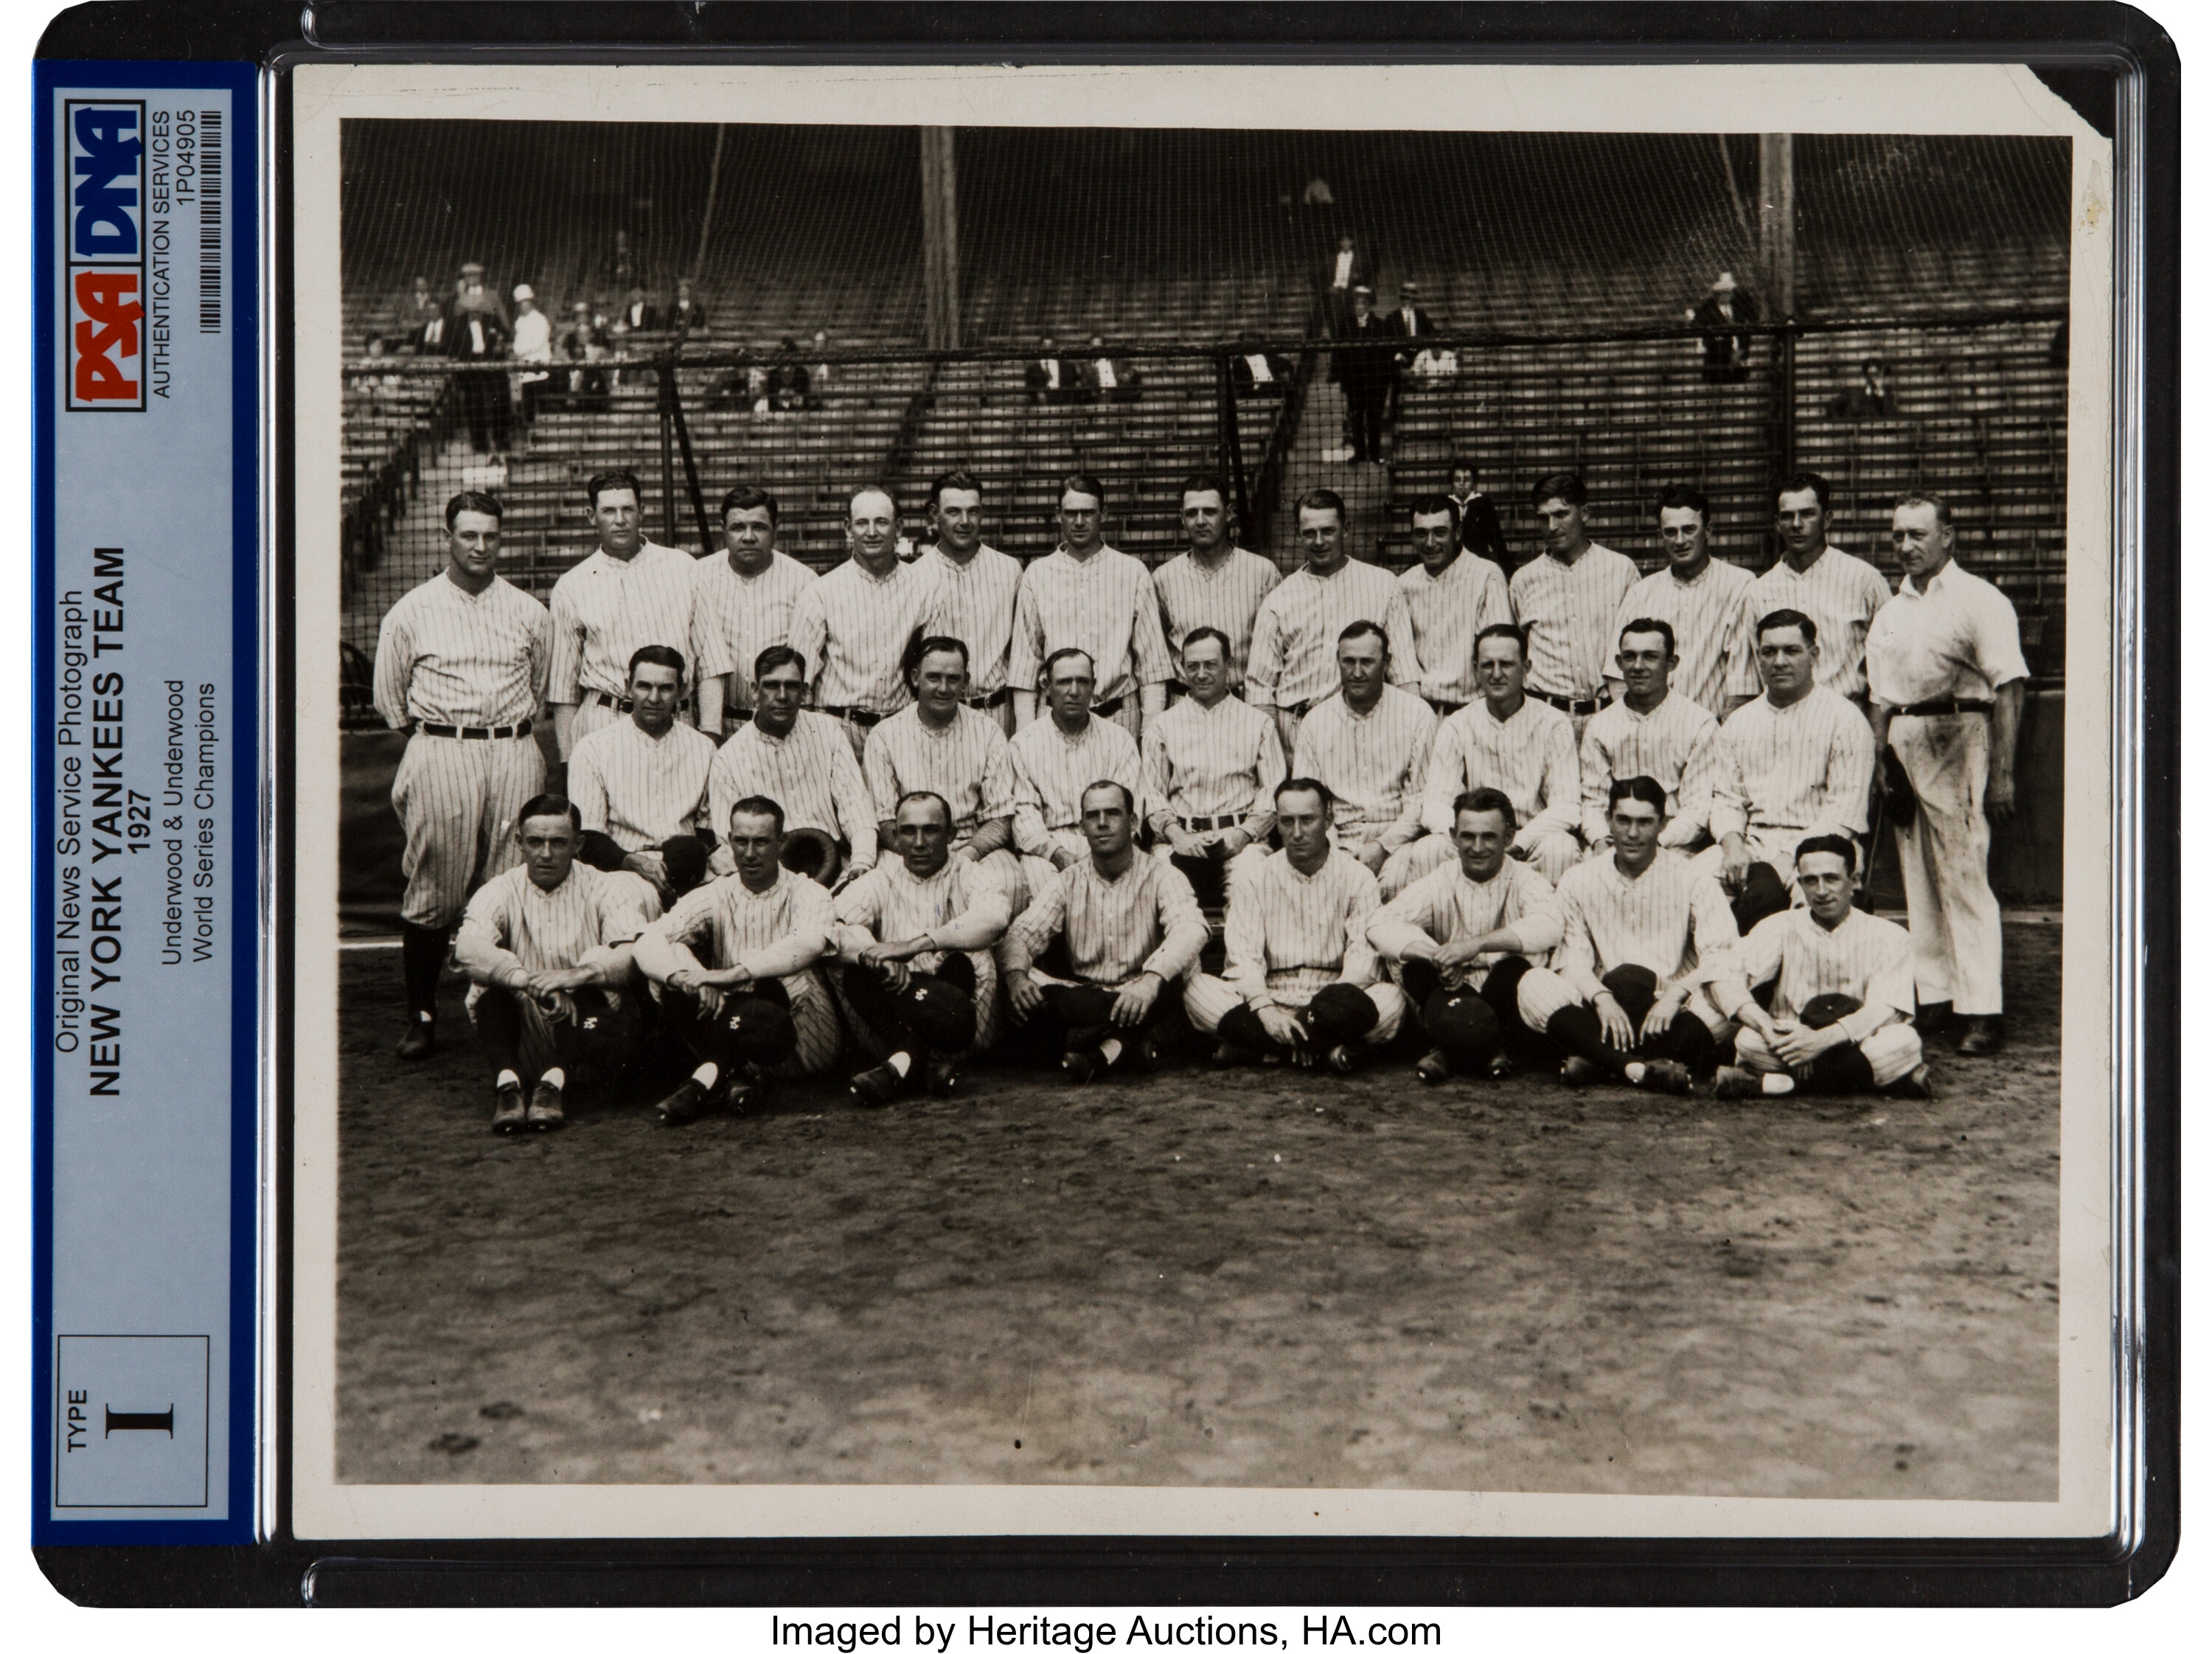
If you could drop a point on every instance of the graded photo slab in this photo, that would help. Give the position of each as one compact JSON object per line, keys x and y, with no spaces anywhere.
{"x":1202,"y":800}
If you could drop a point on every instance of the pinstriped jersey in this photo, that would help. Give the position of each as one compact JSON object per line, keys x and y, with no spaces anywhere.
{"x":1226,"y":598}
{"x":639,"y":790}
{"x":961,"y":907}
{"x":513,"y":928}
{"x":604,"y":610}
{"x":810,"y":772}
{"x":1289,"y":935}
{"x":1445,"y":612}
{"x":1712,"y":618}
{"x":1294,"y":637}
{"x":976,"y":605}
{"x":1116,"y":929}
{"x":1226,"y":761}
{"x":1840,"y":595}
{"x":1050,"y":771}
{"x":852,"y":629}
{"x":771,"y":933}
{"x":1868,"y":959}
{"x":1673,"y":744}
{"x":1377,"y":765}
{"x":475,"y":659}
{"x":966,"y":764}
{"x":1667,"y":919}
{"x":1803,"y":768}
{"x":1447,"y":906}
{"x":750,"y":613}
{"x":1104,"y":604}
{"x":1567,"y":610}
{"x":1530,"y":757}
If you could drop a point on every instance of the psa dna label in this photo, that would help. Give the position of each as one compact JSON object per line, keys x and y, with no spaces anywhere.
{"x":105,"y":233}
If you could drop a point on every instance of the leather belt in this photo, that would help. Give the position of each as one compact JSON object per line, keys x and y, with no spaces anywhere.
{"x":1108,"y":708}
{"x":601,"y":698}
{"x":997,"y":697}
{"x":1944,"y":708}
{"x":1210,"y":824}
{"x":477,"y":732}
{"x":1572,"y":707}
{"x":859,"y":715}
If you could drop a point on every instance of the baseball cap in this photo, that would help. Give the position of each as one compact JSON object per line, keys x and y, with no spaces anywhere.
{"x":523,"y":292}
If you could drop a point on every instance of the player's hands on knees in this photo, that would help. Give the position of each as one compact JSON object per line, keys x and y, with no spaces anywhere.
{"x":1997,"y":799}
{"x":1370,"y":856}
{"x":1023,"y":994}
{"x":895,"y":973}
{"x":1134,"y":1002}
{"x":1063,"y":858}
{"x":1283,"y":1026}
{"x":649,"y":866}
{"x":1619,"y":1032}
{"x":1661,"y":1017}
{"x":710,"y":1000}
{"x":1232,"y":842}
{"x":1735,"y":860}
{"x":1800,"y":1044}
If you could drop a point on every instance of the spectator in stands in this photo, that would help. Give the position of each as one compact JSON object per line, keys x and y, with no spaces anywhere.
{"x":787,"y":383}
{"x":1258,"y":372}
{"x":1870,"y":398}
{"x":1318,"y":194}
{"x":1051,"y":381}
{"x":477,"y":333}
{"x":1727,"y":353}
{"x":418,"y":321}
{"x":472,"y":297}
{"x":687,"y":316}
{"x":821,"y":350}
{"x":1107,"y":380}
{"x":533,"y":344}
{"x":1344,"y":271}
{"x":583,"y":342}
{"x":1409,"y":320}
{"x":1363,"y":368}
{"x":639,"y":314}
{"x":620,"y":269}
{"x":1478,"y":528}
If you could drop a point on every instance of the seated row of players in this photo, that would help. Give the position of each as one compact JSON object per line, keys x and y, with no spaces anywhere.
{"x":883,"y":678}
{"x":1633,"y":970}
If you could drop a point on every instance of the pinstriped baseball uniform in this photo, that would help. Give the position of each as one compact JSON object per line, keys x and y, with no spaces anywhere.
{"x":961,"y":907}
{"x":1530,"y":757}
{"x":1667,"y":919}
{"x":1567,"y":610}
{"x":1115,"y":928}
{"x":1841,"y":594}
{"x":1050,"y":772}
{"x":1960,"y":638}
{"x":1868,"y":959}
{"x":639,"y":790}
{"x":750,"y":613}
{"x":779,"y":932}
{"x":1293,"y":658}
{"x":1226,"y":598}
{"x":977,"y":607}
{"x":1289,"y":936}
{"x":470,"y":661}
{"x":852,"y":629}
{"x":1443,"y":906}
{"x":1712,"y":618}
{"x":1673,"y":744}
{"x":1784,"y":774}
{"x":1201,"y":764}
{"x":513,"y":928}
{"x":1445,"y":612}
{"x":1377,"y":765}
{"x":966,"y":764}
{"x":604,"y":610}
{"x":1104,"y":604}
{"x":810,"y":772}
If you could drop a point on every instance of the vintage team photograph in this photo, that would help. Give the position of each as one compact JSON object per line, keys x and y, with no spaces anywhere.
{"x":1197,"y":806}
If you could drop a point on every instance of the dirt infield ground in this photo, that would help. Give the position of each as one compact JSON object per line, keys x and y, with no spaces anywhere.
{"x":1264,"y":1279}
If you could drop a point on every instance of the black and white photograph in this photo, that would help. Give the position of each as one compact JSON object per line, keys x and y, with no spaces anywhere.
{"x":1129,"y":799}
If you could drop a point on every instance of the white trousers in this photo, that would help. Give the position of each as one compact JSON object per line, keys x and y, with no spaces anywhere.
{"x":1893,"y":1051}
{"x":1958,"y":934}
{"x":1542,"y":994}
{"x":1206,"y":1000}
{"x":457,"y":802}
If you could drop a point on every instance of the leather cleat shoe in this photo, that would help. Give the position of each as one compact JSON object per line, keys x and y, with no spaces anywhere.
{"x":739,"y":1095}
{"x":1580,"y":1071}
{"x":874,"y":1088}
{"x":513,"y":1113}
{"x":1433,"y":1069}
{"x":1932,"y":1018}
{"x":1919,"y":1084}
{"x":1342,"y":1059}
{"x":545,"y":1113}
{"x":1141,"y":1058}
{"x":683,"y":1105}
{"x":418,"y":1042}
{"x":1226,"y":1055}
{"x":1984,"y":1036}
{"x":1499,"y":1066}
{"x":1664,"y":1075}
{"x":1735,"y":1082}
{"x":940,"y":1074}
{"x":1079,"y":1068}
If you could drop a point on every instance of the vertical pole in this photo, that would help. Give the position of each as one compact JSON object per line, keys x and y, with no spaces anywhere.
{"x":707,"y":214}
{"x":1232,"y":444}
{"x":940,"y":240}
{"x":1777,"y":225}
{"x":667,"y":370}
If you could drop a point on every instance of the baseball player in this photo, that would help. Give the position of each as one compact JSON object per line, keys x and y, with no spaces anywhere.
{"x":1463,"y":936}
{"x":1368,"y":745}
{"x":461,"y":663}
{"x":1704,"y":600}
{"x":1211,"y":765}
{"x":914,"y":937}
{"x":1086,"y":595}
{"x":640,"y":786}
{"x":854,"y":626}
{"x":1841,"y":592}
{"x":1056,"y":757}
{"x":1450,"y":595}
{"x":979,"y":586}
{"x":1302,"y":982}
{"x":1564,"y":600}
{"x":1128,"y":932}
{"x":626,"y":594}
{"x":1293,"y":662}
{"x":547,"y":946}
{"x":1216,"y":583}
{"x":1650,"y":731}
{"x":758,"y":1011}
{"x":1944,"y":662}
{"x":1512,"y":741}
{"x":1623,"y":997}
{"x":1841,"y":1020}
{"x":802,"y":760}
{"x":1794,"y":764}
{"x":747,"y":595}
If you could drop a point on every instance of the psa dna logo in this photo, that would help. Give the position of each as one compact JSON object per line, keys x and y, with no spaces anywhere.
{"x":104,"y":225}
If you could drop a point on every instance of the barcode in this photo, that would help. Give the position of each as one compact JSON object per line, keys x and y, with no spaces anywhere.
{"x":210,"y":221}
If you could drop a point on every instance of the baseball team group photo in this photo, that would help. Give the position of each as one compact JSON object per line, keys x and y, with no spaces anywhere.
{"x":1198,"y":807}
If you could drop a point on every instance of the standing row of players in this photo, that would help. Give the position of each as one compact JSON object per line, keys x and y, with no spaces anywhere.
{"x":1549,"y":689}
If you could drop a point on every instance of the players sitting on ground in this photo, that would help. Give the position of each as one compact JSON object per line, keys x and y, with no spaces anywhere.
{"x":1451,"y":595}
{"x":1511,"y":741}
{"x":1650,"y":731}
{"x":1463,"y":936}
{"x":1793,"y":765}
{"x":1210,"y":766}
{"x":852,"y":626}
{"x":747,"y":595}
{"x":1841,"y":1020}
{"x":1102,"y":951}
{"x":803,"y":761}
{"x":1622,"y":997}
{"x":914,"y":936}
{"x":547,"y":945}
{"x":979,"y":585}
{"x":1704,"y":599}
{"x":641,"y":785}
{"x":734,"y":962}
{"x":1216,"y":582}
{"x":1369,"y":745}
{"x":1085,"y":595}
{"x":1301,"y":981}
{"x":1056,"y":757}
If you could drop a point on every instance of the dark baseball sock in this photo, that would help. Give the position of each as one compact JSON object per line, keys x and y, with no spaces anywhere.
{"x":1501,"y":992}
{"x":1840,"y":1070}
{"x":421,"y":956}
{"x":1209,"y":879}
{"x":499,"y":1030}
{"x":1242,"y":1027}
{"x":1691,"y":1044}
{"x":1763,"y":895}
{"x":1080,"y":1014}
{"x":1340,"y":1014}
{"x":606,"y":1038}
